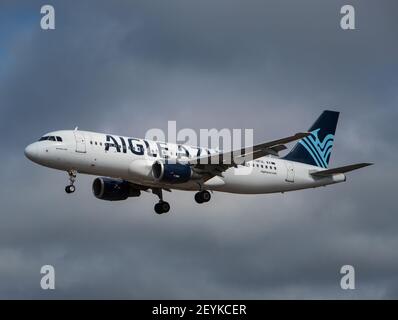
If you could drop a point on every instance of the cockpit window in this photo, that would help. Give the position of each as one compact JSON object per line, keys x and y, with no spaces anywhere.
{"x":51,"y":138}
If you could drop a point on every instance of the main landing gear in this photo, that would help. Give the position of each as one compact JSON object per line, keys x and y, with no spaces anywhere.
{"x":202,"y":196}
{"x":161,"y":206}
{"x":72,"y":178}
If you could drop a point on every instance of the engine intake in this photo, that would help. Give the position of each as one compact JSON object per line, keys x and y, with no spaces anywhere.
{"x":171,"y":172}
{"x":113,"y":189}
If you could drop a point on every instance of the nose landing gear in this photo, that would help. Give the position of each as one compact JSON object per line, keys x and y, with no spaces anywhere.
{"x":70,"y":189}
{"x":72,"y":178}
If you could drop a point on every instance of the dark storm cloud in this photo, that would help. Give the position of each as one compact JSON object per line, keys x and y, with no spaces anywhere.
{"x":128,"y":66}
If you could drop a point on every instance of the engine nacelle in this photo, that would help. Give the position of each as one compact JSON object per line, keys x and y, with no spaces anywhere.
{"x":171,"y":172}
{"x":141,"y":170}
{"x":113,"y":189}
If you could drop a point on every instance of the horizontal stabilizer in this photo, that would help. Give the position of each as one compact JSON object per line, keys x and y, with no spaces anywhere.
{"x":329,"y":172}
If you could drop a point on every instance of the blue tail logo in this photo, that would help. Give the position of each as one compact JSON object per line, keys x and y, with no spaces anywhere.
{"x":316,"y":148}
{"x":319,"y":150}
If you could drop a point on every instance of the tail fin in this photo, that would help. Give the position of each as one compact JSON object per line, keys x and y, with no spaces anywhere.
{"x":317,"y":147}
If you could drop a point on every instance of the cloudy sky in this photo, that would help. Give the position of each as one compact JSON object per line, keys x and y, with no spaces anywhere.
{"x":126,"y":66}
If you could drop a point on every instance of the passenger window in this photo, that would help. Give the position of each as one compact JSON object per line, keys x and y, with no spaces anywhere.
{"x":91,"y":142}
{"x":96,"y":143}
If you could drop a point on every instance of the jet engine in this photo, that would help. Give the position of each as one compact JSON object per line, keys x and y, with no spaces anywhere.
{"x":113,"y":189}
{"x":171,"y":172}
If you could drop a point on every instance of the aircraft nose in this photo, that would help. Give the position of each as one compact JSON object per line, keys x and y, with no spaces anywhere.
{"x":31,"y":152}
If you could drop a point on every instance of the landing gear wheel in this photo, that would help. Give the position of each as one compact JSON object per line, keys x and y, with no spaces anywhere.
{"x":158,"y":209}
{"x":162,"y":207}
{"x":70,"y":189}
{"x":206,"y":196}
{"x":202,"y":196}
{"x":72,"y":178}
{"x":198,"y":197}
{"x":165,"y":206}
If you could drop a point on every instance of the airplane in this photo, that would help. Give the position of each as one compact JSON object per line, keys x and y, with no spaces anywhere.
{"x":127,"y":166}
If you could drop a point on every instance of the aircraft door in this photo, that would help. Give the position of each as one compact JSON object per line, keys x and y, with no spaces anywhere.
{"x":80,"y":142}
{"x":290,"y":171}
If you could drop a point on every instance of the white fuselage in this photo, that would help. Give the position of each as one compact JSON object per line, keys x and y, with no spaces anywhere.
{"x":131,"y":159}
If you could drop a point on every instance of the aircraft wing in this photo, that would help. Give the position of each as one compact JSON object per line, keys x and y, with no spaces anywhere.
{"x":233,"y":158}
{"x":344,"y":169}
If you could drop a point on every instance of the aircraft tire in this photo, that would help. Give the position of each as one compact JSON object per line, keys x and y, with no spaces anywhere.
{"x":162,"y":207}
{"x":198,"y":197}
{"x":205,"y":196}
